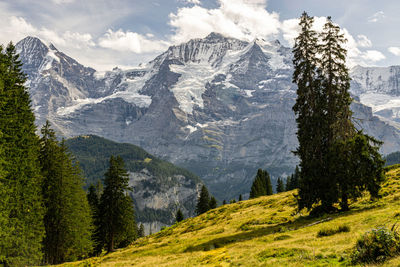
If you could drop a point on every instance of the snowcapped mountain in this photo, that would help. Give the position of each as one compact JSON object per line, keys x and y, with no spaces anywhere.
{"x":217,"y":106}
{"x":379,"y":88}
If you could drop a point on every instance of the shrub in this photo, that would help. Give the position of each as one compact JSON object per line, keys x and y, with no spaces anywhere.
{"x":331,"y":231}
{"x":376,"y":246}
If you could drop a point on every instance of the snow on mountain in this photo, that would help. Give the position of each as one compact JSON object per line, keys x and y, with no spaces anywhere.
{"x":217,"y":106}
{"x":379,"y":88}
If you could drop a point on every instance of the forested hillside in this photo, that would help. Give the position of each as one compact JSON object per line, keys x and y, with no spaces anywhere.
{"x":159,"y":187}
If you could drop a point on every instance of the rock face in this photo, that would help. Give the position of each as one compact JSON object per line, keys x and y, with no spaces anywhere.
{"x":159,"y":188}
{"x":217,"y":106}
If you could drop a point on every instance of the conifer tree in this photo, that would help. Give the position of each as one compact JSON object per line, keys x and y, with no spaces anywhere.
{"x":224,"y":202}
{"x":279,"y":186}
{"x":240,"y":197}
{"x":309,"y":110}
{"x":141,"y":231}
{"x":261,"y":185}
{"x":258,"y":188}
{"x":268,"y":184}
{"x":328,"y":140}
{"x":23,"y":205}
{"x":179,"y":216}
{"x":94,"y":203}
{"x":116,"y":208}
{"x":213,"y":203}
{"x":203,"y":203}
{"x":288,"y":183}
{"x":67,"y":221}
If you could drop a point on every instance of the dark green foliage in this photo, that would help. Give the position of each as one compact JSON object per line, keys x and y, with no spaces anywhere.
{"x":333,"y":231}
{"x":141,"y":230}
{"x":240,"y":197}
{"x":280,"y":187}
{"x":67,"y":220}
{"x":118,"y":227}
{"x":93,"y":197}
{"x":224,"y":202}
{"x":392,"y":158}
{"x":328,"y":141}
{"x":21,"y":206}
{"x":213,"y":203}
{"x":179,"y":216}
{"x":308,"y":110}
{"x":261,"y":185}
{"x":376,"y":246}
{"x":203,"y":203}
{"x":358,"y":166}
{"x":232,"y":201}
{"x":93,"y":154}
{"x":292,"y":181}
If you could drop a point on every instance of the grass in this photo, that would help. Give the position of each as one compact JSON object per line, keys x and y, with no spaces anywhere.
{"x":267,"y":231}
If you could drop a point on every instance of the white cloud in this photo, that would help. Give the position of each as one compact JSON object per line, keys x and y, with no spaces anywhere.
{"x":63,"y":1}
{"x":363,"y":41}
{"x":242,"y":19}
{"x":394,"y":50}
{"x":196,"y":2}
{"x":16,"y":28}
{"x":373,"y":56}
{"x":132,"y":42}
{"x":377,"y":16}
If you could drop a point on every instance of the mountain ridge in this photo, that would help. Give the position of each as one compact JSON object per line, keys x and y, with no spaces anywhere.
{"x":159,"y":188}
{"x":217,"y":106}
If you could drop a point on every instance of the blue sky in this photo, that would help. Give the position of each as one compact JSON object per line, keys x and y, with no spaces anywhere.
{"x":104,"y":33}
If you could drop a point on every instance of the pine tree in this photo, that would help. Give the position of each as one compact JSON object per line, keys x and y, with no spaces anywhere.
{"x":261,"y":185}
{"x":279,"y":186}
{"x":240,"y":197}
{"x":309,"y":110}
{"x":203,"y":203}
{"x":329,"y":145}
{"x":141,"y":231}
{"x":116,"y":207}
{"x":93,"y":197}
{"x":213,"y":203}
{"x":295,"y":178}
{"x":68,"y":220}
{"x":179,"y":216}
{"x":268,"y":183}
{"x":258,"y":188}
{"x":288,"y":183}
{"x":224,"y":202}
{"x":23,"y":204}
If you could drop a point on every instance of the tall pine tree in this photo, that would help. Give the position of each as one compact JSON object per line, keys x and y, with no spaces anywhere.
{"x":68,"y":221}
{"x":309,"y":110}
{"x":93,"y":197}
{"x":280,"y":187}
{"x":118,"y":227}
{"x":261,"y":185}
{"x":203,"y":203}
{"x":20,"y":181}
{"x":328,"y":140}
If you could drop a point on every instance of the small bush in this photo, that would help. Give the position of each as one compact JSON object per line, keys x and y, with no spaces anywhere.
{"x":376,"y":246}
{"x":331,"y":231}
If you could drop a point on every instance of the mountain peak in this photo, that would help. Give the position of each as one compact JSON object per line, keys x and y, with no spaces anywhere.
{"x":31,"y":43}
{"x":215,"y":36}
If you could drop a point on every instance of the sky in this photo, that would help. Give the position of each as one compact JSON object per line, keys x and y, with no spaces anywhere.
{"x":104,"y":34}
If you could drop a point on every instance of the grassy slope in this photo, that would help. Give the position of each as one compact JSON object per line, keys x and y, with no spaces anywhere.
{"x":261,"y":232}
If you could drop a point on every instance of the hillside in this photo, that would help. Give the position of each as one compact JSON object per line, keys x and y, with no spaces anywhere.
{"x":265,"y":231}
{"x":159,"y":187}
